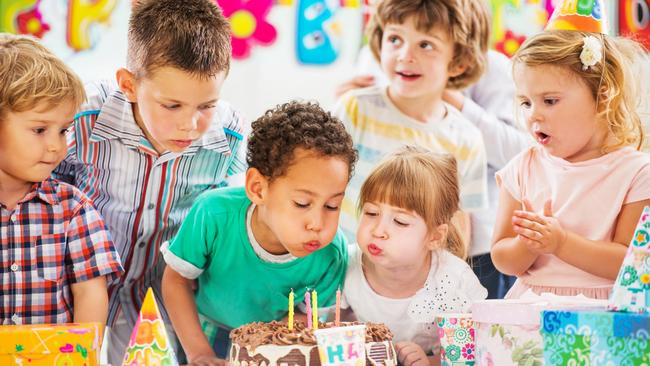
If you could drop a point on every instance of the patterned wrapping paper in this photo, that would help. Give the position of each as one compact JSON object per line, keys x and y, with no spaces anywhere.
{"x":596,"y":338}
{"x":50,"y":344}
{"x":631,"y":291}
{"x":508,"y":331}
{"x":456,"y":333}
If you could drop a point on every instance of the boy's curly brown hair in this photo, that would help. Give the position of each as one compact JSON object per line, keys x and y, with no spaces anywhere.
{"x":276,"y":135}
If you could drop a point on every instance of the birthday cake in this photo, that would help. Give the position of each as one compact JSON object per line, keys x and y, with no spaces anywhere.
{"x":264,"y":344}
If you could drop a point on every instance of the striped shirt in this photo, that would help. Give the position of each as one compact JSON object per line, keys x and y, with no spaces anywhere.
{"x":51,"y":240}
{"x":378,"y":128}
{"x":144,"y":196}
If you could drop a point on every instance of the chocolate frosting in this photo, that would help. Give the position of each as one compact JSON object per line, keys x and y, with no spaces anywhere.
{"x":276,"y":333}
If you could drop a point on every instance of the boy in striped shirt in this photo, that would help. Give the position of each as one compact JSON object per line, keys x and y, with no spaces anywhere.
{"x":143,"y":149}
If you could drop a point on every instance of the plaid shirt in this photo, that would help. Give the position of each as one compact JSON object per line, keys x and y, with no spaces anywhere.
{"x":50,"y":240}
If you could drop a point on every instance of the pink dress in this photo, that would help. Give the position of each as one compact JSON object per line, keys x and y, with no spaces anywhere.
{"x":587,"y":197}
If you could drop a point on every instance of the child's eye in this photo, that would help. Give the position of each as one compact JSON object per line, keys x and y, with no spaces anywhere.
{"x":39,"y":131}
{"x":171,"y":106}
{"x":550,"y":101}
{"x":369,"y":213}
{"x":64,"y":131}
{"x":209,"y":106}
{"x":426,"y":46}
{"x":332,"y":208}
{"x":301,"y":205}
{"x":393,"y":39}
{"x":525,"y":104}
{"x":400,"y":222}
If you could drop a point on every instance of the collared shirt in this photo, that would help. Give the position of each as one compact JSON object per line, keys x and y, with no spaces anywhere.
{"x":144,"y":196}
{"x":52,"y":239}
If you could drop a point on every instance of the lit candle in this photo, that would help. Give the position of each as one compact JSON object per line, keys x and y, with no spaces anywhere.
{"x":290,"y":320}
{"x":314,"y":301}
{"x":308,"y":306}
{"x":337,"y":309}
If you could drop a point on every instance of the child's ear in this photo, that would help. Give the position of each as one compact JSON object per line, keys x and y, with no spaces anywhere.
{"x":438,"y":237}
{"x":457,"y":69}
{"x":256,"y":186}
{"x":127,"y":83}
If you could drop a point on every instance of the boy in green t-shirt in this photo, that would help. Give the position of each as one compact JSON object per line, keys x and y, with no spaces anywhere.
{"x":249,"y":246}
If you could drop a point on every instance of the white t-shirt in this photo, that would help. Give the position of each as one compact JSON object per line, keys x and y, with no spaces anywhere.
{"x":451,"y":287}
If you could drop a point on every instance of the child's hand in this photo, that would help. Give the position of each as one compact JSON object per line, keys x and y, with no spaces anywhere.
{"x":356,"y":82}
{"x":207,"y":360}
{"x":410,"y":354}
{"x":542,"y":234}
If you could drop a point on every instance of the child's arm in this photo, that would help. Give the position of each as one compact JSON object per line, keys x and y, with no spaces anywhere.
{"x":509,"y":253}
{"x":410,"y":354}
{"x":181,"y":307}
{"x":601,"y":258}
{"x":90,"y":299}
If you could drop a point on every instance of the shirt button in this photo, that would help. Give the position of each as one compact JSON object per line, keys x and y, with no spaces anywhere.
{"x":141,"y":245}
{"x":151,"y":206}
{"x":15,"y":319}
{"x":14,"y":267}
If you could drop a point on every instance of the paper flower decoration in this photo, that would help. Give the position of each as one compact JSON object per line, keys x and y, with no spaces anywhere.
{"x":248,"y":24}
{"x":31,"y":22}
{"x":509,"y":44}
{"x":592,"y":52}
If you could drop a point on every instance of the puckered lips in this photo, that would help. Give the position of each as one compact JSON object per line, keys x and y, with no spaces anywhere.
{"x":374,"y":250}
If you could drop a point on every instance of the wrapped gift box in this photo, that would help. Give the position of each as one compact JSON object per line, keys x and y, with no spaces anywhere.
{"x":631,"y":291}
{"x":507,"y":332}
{"x":592,"y":338}
{"x":50,"y":344}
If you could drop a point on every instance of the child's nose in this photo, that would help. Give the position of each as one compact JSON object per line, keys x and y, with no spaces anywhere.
{"x":189,"y":123}
{"x":315,"y":222}
{"x":379,"y":231}
{"x":406,"y":53}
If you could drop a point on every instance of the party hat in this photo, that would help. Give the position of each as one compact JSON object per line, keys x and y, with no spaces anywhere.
{"x":631,"y":291}
{"x":580,"y":15}
{"x":149,"y":344}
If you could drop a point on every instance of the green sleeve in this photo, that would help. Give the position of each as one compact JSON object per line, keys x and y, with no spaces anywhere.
{"x":194,"y":241}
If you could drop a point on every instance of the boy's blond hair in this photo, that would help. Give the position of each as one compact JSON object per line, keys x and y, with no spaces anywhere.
{"x":418,"y":180}
{"x":33,"y":77}
{"x":189,"y":35}
{"x":611,"y":81}
{"x":466,"y":21}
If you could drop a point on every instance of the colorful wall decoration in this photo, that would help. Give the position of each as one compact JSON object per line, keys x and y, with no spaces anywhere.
{"x":249,"y":25}
{"x":318,"y":32}
{"x":634,"y":20}
{"x":515,"y":20}
{"x":26,"y":17}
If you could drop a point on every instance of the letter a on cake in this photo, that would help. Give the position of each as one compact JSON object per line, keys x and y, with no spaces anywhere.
{"x":149,"y":344}
{"x":580,"y":15}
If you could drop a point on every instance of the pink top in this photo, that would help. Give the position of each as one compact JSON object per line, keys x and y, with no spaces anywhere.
{"x":586,"y":196}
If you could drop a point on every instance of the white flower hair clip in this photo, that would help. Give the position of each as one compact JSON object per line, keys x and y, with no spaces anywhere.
{"x":592,"y":52}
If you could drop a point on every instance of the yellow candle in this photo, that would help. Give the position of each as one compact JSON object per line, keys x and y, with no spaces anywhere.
{"x":314,"y":313}
{"x":290,"y":320}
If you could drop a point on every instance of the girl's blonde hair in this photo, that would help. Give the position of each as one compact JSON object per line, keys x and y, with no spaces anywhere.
{"x":611,"y":80}
{"x":418,"y":180}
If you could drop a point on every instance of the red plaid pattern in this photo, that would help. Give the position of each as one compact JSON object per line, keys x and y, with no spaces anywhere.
{"x":54,"y":237}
